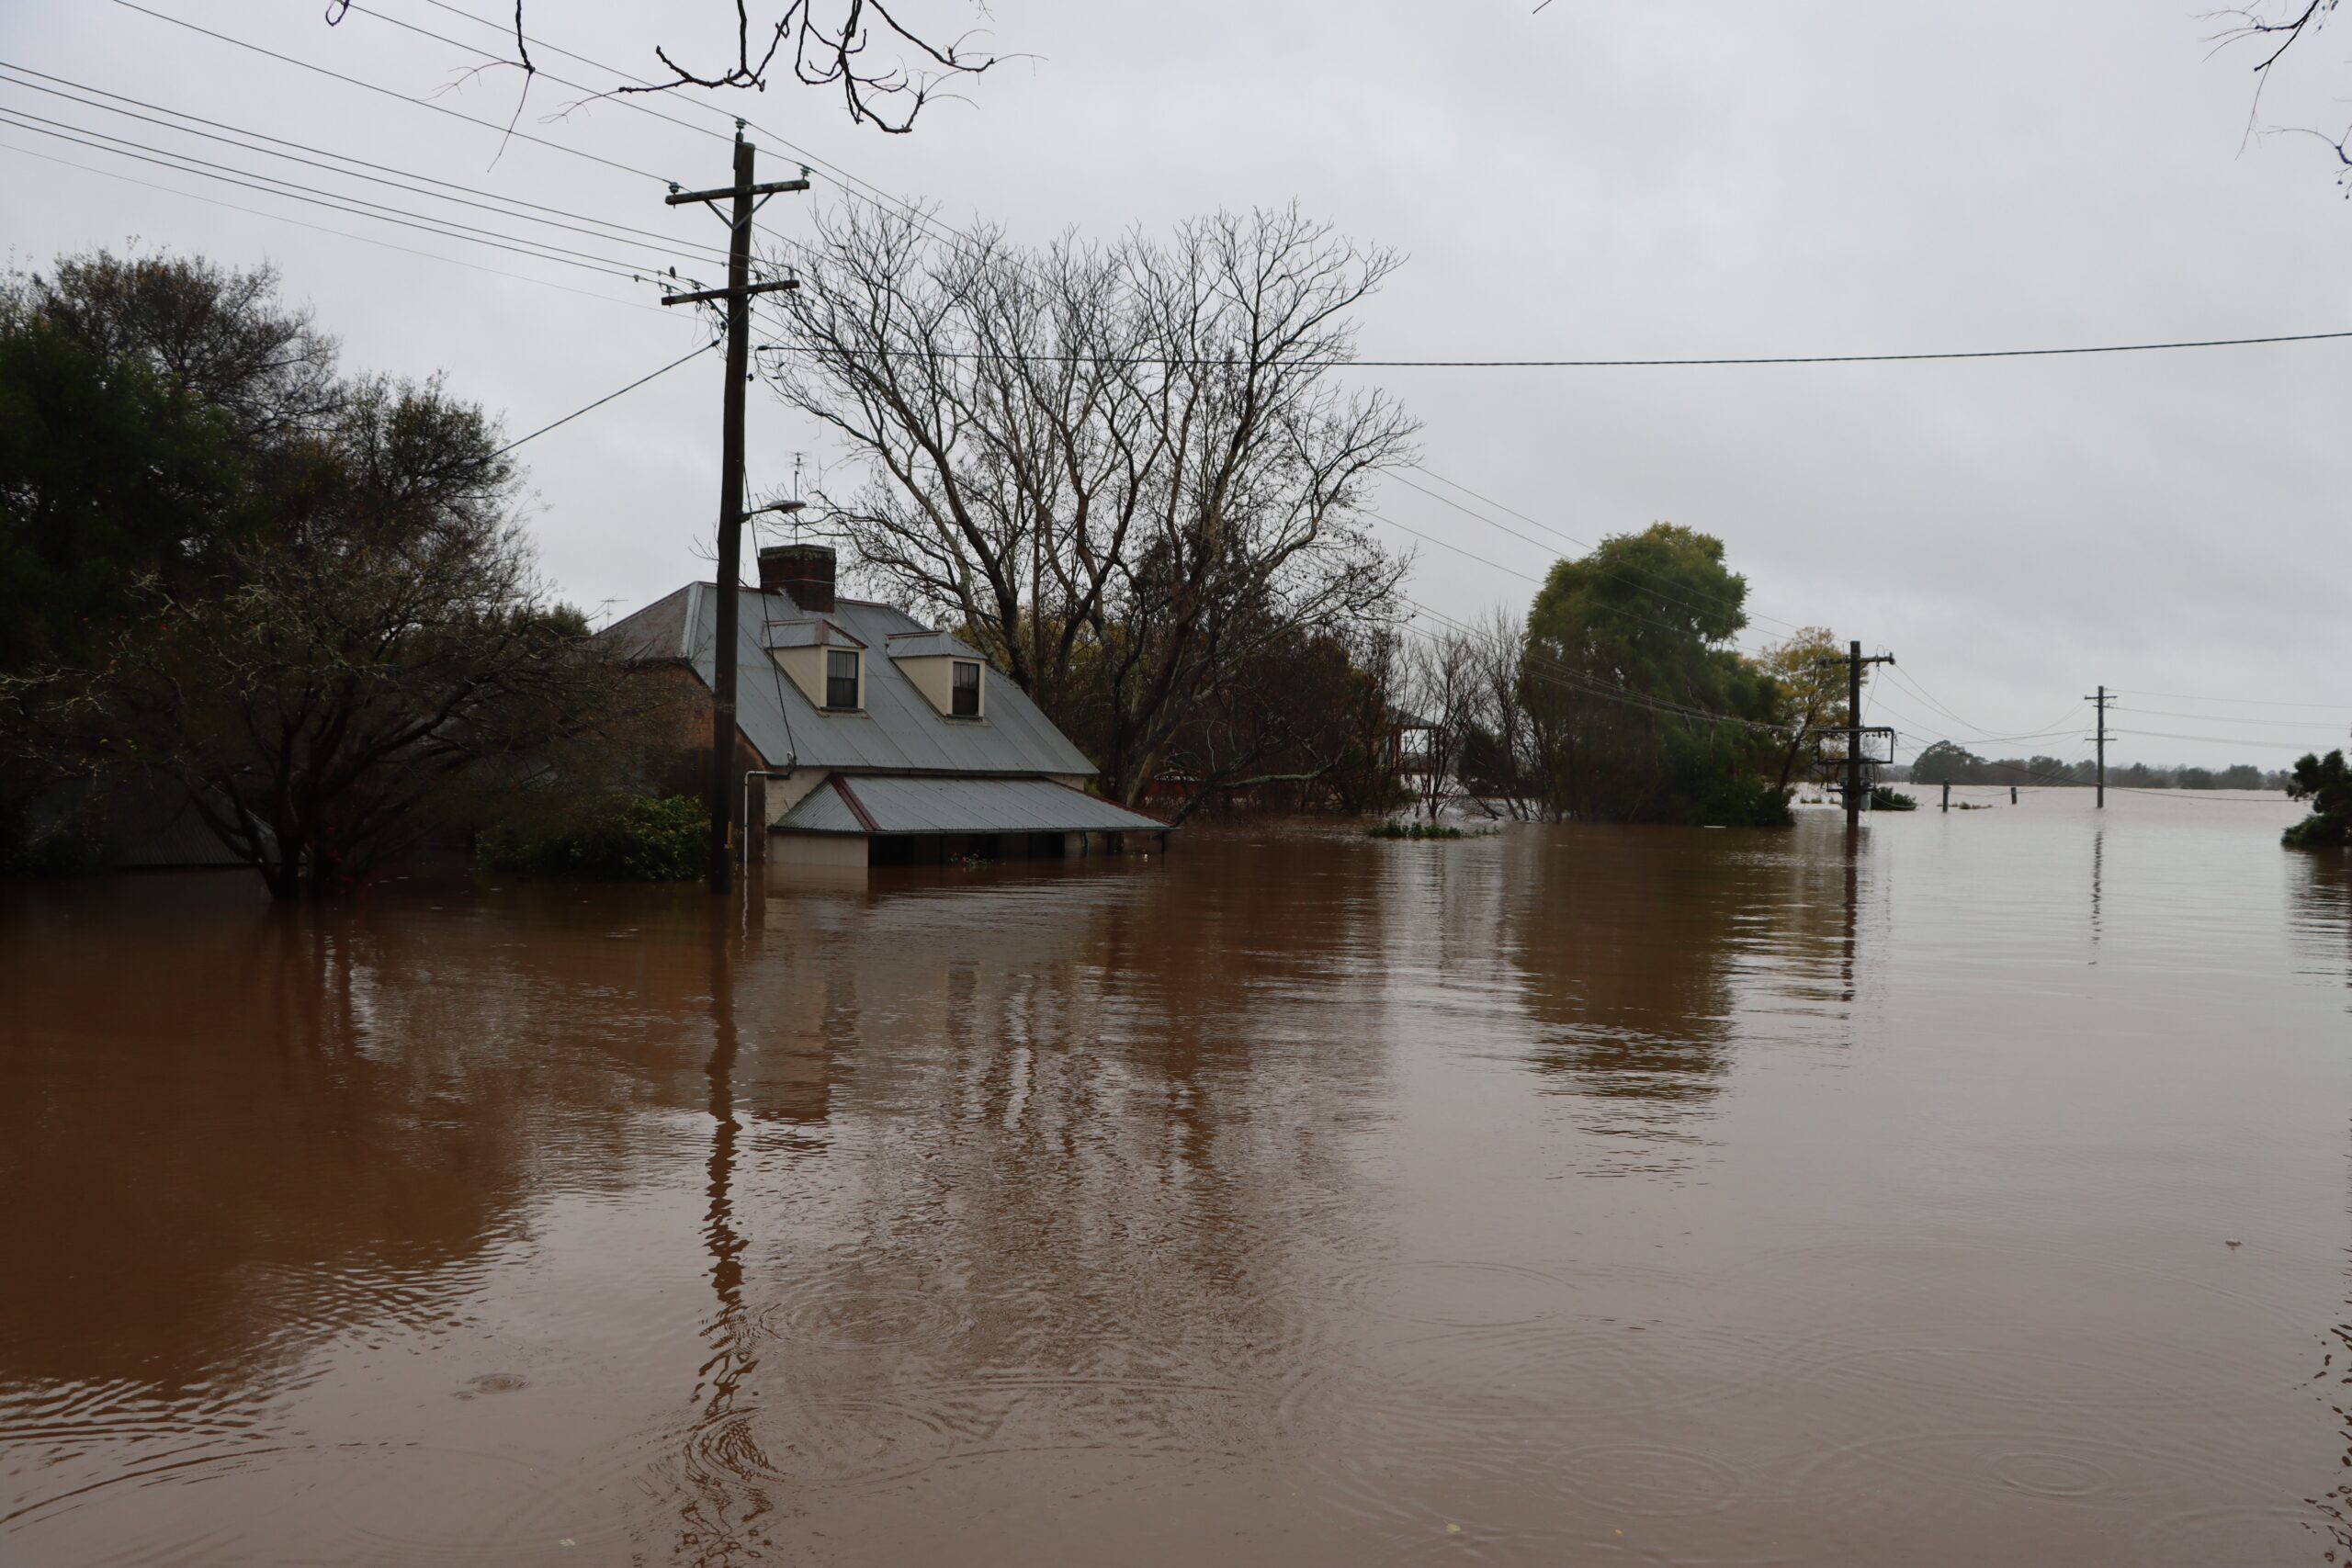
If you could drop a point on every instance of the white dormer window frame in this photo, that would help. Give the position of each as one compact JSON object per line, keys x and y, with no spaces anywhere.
{"x":845,"y":676}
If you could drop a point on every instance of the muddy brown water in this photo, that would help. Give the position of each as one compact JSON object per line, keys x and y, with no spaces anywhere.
{"x":1567,"y":1196}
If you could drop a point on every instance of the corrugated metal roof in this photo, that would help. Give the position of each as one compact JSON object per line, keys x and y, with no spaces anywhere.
{"x":887,"y":804}
{"x":897,"y":731}
{"x":806,"y":634}
{"x":928,"y":644}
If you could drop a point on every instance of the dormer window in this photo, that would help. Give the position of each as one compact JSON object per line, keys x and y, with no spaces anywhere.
{"x":967,"y":702}
{"x":841,"y":678}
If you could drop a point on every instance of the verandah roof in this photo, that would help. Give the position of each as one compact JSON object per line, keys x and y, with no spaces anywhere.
{"x":885,"y":804}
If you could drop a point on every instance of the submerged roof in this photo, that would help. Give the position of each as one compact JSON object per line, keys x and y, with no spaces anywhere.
{"x":901,"y":803}
{"x":898,"y":730}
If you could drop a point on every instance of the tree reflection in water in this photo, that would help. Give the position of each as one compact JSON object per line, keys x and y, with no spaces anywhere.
{"x":1645,"y":955}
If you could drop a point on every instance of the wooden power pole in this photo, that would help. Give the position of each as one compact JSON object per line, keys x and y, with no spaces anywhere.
{"x":1855,"y":730}
{"x":746,"y":199}
{"x":2101,"y":700}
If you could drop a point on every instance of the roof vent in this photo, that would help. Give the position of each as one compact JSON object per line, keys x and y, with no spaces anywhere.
{"x":804,"y":571}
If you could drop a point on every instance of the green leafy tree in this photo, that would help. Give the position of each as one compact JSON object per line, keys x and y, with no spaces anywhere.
{"x":299,"y":595}
{"x":1646,"y":713}
{"x":2326,"y":783}
{"x":1810,"y":671}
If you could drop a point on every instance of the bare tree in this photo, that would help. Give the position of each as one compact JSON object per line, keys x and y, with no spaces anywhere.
{"x":1127,"y":471}
{"x":2273,"y":28}
{"x":1505,"y":752}
{"x":1443,"y":688}
{"x":886,"y":68}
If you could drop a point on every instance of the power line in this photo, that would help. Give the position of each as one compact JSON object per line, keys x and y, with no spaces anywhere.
{"x":505,"y":206}
{"x":1566,"y":537}
{"x":323,"y":228}
{"x":357,"y":207}
{"x":852,"y":184}
{"x":2226,"y":718}
{"x":1592,"y":363}
{"x":1577,"y":680}
{"x":2218,"y":740}
{"x":607,"y":397}
{"x":1350,"y":363}
{"x":2241,"y":702}
{"x":386,"y":92}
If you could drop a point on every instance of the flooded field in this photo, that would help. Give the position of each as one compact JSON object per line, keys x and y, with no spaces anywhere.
{"x":1565,"y":1196}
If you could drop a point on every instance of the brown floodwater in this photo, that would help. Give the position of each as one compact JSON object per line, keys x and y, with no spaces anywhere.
{"x":1572,"y":1195}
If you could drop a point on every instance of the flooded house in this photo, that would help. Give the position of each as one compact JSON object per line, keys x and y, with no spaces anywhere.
{"x":866,"y":737}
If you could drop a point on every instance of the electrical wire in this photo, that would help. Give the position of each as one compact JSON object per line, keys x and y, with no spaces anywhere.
{"x":1656,"y":361}
{"x":355,"y":206}
{"x":2226,"y":718}
{"x":2218,"y":740}
{"x":323,"y":228}
{"x":508,"y":131}
{"x":505,"y":206}
{"x":1719,"y":600}
{"x":609,"y":397}
{"x":1352,"y":362}
{"x":2241,"y":702}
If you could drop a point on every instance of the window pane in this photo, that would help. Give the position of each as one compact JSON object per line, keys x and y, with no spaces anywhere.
{"x":967,"y":703}
{"x":841,"y":679}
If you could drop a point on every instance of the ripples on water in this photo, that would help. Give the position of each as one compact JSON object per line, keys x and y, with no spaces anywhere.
{"x":1570,"y":1195}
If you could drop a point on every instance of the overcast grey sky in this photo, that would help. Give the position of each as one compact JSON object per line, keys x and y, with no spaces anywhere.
{"x":1671,"y":179}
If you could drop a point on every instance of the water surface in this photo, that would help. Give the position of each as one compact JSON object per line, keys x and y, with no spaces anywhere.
{"x":1570,"y":1195}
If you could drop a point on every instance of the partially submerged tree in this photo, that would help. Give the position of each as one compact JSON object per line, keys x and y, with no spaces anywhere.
{"x":1128,"y":472}
{"x":301,"y":597}
{"x":1810,"y":671}
{"x":370,"y":669}
{"x":1647,"y":711}
{"x":2326,"y":783}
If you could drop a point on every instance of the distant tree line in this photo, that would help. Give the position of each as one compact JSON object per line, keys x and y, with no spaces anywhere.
{"x":294,"y":597}
{"x":1948,"y":762}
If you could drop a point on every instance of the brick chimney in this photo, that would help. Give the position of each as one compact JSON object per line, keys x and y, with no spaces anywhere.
{"x":805,"y":571}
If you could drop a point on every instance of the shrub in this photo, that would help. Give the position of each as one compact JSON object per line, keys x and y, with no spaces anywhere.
{"x":1418,"y":831}
{"x":620,"y":838}
{"x":1883,"y":798}
{"x":1745,"y":800}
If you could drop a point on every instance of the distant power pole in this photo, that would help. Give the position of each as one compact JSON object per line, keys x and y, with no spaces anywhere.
{"x":1855,"y":730}
{"x":747,"y":198}
{"x":2102,"y":700}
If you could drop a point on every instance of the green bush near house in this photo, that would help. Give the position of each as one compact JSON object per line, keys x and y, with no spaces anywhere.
{"x":620,"y":838}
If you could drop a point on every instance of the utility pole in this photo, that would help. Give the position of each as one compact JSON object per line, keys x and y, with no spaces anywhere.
{"x":2102,"y":700}
{"x":1854,"y":663}
{"x":747,"y":199}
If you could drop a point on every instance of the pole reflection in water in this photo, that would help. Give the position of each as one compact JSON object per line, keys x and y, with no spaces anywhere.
{"x":1575,"y":1194}
{"x":721,"y":1521}
{"x":2099,"y":868}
